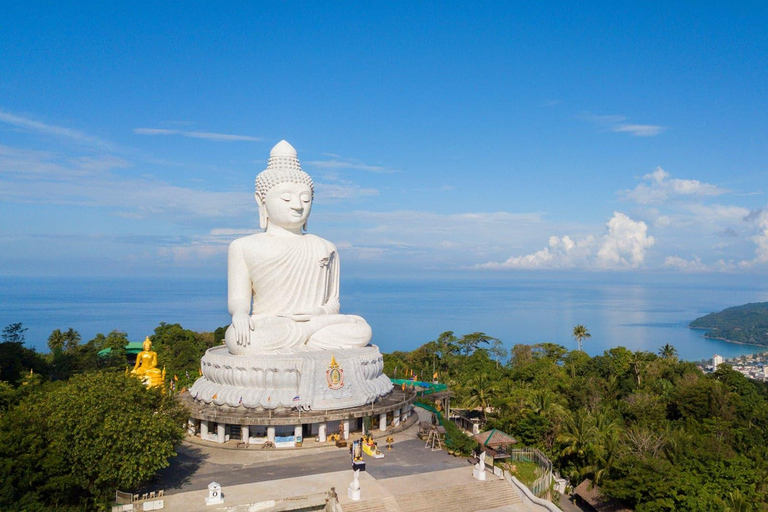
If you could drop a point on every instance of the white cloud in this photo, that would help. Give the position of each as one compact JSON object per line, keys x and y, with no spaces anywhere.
{"x":622,"y":246}
{"x":760,"y":219}
{"x":326,"y":191}
{"x":56,"y":131}
{"x":425,"y":238}
{"x":350,"y":164}
{"x":692,"y":265}
{"x":196,"y":135}
{"x":560,"y":253}
{"x":659,"y":187}
{"x":616,"y":124}
{"x":48,"y":178}
{"x":639,"y":130}
{"x":717,"y":214}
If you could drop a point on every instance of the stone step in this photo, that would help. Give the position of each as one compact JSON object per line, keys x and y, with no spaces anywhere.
{"x":387,"y":504}
{"x":461,"y":498}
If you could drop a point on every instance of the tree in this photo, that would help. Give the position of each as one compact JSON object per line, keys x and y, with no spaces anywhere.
{"x":14,"y":333}
{"x":16,"y":360}
{"x":581,"y":333}
{"x":521,"y":356}
{"x":498,"y":352}
{"x":179,"y":350}
{"x":668,"y":351}
{"x":480,"y":390}
{"x":98,"y":432}
{"x":64,"y":341}
{"x":469,"y":342}
{"x":56,"y":341}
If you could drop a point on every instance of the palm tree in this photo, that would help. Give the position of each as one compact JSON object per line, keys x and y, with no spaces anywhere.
{"x":668,"y":351}
{"x":481,"y":390}
{"x":579,"y":442}
{"x":580,"y":333}
{"x":544,"y":403}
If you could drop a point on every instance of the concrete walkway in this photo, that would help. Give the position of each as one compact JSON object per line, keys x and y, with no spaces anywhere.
{"x":249,"y":477}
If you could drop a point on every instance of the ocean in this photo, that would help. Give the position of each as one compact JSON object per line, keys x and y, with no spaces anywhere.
{"x":406,"y":313}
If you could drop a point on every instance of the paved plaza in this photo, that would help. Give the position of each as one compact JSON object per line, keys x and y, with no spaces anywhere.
{"x":252,"y":476}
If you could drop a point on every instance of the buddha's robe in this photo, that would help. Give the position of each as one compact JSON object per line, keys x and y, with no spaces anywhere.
{"x":287,"y":276}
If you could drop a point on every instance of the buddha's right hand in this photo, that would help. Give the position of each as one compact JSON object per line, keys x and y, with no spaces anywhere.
{"x":243,"y":327}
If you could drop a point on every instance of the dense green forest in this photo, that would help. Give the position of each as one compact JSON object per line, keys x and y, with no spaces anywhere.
{"x":651,"y":430}
{"x":747,"y":323}
{"x":74,"y":427}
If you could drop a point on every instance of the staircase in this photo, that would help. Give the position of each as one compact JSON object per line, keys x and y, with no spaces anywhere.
{"x":492,"y":493}
{"x":388,"y":504}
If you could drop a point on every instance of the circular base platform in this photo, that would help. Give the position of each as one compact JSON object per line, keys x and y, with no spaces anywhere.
{"x":199,"y":410}
{"x":311,"y":381}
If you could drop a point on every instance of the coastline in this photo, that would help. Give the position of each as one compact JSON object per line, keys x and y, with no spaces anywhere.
{"x":708,"y":329}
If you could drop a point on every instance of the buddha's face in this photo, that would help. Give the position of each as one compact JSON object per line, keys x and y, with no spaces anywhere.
{"x":288,"y":205}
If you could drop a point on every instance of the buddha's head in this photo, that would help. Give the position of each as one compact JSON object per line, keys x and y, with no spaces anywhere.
{"x":283,"y":191}
{"x":147,"y":345}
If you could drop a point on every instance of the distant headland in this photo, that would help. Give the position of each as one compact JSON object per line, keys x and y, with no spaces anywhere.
{"x":747,"y":324}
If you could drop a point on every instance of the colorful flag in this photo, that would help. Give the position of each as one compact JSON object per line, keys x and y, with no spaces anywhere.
{"x":200,"y":370}
{"x":434,"y":376}
{"x":296,"y":398}
{"x":403,"y":386}
{"x":241,"y":401}
{"x":214,"y":397}
{"x":175,"y":377}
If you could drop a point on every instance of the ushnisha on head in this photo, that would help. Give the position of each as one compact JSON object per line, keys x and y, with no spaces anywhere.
{"x":283,"y":167}
{"x":147,"y":346}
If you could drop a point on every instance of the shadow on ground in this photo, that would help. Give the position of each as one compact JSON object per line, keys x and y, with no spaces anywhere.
{"x":186,"y":463}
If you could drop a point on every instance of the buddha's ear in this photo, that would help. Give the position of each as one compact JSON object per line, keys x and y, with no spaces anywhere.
{"x":304,"y":227}
{"x":263,"y":218}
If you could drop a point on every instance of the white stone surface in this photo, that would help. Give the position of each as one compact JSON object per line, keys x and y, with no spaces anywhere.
{"x":274,"y":380}
{"x":215,"y":496}
{"x":478,"y":471}
{"x":353,"y":491}
{"x":322,"y":432}
{"x":283,"y":283}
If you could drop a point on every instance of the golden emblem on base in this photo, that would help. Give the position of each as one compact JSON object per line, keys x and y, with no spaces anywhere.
{"x":334,"y":375}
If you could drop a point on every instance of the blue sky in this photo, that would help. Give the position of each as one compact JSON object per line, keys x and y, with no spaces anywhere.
{"x":443,"y":137}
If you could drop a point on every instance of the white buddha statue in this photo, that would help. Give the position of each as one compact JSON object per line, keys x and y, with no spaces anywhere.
{"x":284,"y":283}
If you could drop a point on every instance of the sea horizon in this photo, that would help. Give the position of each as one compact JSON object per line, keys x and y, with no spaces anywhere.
{"x":405,"y":313}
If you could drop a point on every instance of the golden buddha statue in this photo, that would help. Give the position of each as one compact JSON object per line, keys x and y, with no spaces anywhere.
{"x":146,"y":366}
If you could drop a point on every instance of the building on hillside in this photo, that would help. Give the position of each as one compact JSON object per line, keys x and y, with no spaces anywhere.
{"x":495,"y":443}
{"x":590,"y":495}
{"x":717,"y":360}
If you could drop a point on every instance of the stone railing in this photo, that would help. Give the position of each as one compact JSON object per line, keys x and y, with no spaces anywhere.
{"x":533,"y":502}
{"x":542,"y":484}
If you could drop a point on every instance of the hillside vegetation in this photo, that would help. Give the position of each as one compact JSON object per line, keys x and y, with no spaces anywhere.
{"x":653,"y":431}
{"x":743,"y":324}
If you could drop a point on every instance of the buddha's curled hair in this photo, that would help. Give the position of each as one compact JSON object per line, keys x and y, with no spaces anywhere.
{"x":281,"y":169}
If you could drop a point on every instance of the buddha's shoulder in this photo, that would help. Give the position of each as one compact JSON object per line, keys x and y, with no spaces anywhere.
{"x":247,"y":241}
{"x":319,"y":241}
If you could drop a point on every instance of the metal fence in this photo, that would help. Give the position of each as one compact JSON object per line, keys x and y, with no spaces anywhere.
{"x":542,"y":485}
